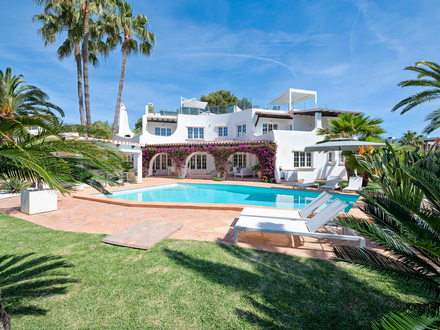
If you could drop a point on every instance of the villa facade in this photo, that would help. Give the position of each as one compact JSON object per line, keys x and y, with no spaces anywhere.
{"x":279,"y":121}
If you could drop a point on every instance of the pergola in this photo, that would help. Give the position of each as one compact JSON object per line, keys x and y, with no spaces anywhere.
{"x":293,"y":96}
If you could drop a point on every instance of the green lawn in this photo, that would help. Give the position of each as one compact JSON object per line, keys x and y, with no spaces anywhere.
{"x":344,"y":183}
{"x":60,"y":280}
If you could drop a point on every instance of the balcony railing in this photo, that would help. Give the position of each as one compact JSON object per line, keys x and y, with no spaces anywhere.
{"x":229,"y":108}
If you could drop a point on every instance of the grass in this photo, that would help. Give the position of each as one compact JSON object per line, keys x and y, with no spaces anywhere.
{"x":61,"y":280}
{"x":344,"y":183}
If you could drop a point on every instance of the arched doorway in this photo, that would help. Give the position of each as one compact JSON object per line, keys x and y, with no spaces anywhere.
{"x":199,"y":163}
{"x":241,"y":160}
{"x":160,"y":164}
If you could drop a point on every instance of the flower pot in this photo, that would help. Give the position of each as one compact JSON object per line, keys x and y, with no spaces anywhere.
{"x":260,"y":174}
{"x":37,"y":201}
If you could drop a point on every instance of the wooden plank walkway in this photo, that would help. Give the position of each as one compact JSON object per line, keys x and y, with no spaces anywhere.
{"x":144,"y":235}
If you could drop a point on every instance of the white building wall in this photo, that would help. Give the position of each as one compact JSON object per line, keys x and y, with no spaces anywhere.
{"x":304,"y":134}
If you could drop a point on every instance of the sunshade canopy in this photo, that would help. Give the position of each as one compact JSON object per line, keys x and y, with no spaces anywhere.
{"x":344,"y":145}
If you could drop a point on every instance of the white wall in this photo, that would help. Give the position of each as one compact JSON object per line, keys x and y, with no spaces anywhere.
{"x":287,"y":141}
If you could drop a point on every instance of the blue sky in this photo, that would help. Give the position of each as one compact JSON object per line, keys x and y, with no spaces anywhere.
{"x":351,"y":52}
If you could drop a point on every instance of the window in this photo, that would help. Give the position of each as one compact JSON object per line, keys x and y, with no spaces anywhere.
{"x":341,"y":158}
{"x":162,"y":162}
{"x":239,"y":160}
{"x":241,"y":130}
{"x":269,"y":127}
{"x":162,"y":131}
{"x":223,"y":131}
{"x":196,"y":133}
{"x":198,"y":162}
{"x":302,"y":159}
{"x":331,"y":157}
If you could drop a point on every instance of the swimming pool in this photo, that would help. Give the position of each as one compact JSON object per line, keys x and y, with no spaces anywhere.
{"x":226,"y":194}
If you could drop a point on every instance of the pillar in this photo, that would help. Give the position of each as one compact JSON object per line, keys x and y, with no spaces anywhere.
{"x":138,"y":166}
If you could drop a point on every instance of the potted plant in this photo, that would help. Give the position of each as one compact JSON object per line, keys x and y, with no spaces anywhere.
{"x":257,"y":168}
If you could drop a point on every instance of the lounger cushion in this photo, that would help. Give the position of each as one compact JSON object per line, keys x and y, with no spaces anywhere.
{"x":266,"y":213}
{"x":253,"y":223}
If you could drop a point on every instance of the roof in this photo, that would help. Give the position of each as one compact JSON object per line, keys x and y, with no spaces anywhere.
{"x":205,"y":143}
{"x":325,"y":112}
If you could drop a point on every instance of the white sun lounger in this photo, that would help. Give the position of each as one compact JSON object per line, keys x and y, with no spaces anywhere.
{"x":307,"y":182}
{"x":332,"y":183}
{"x":288,"y":214}
{"x":354,"y":183}
{"x":297,"y":227}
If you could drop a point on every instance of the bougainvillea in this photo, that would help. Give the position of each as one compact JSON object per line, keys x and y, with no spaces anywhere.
{"x":265,"y":153}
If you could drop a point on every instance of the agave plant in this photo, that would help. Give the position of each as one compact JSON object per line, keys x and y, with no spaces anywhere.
{"x":405,"y":220}
{"x":14,"y":186}
{"x":55,"y":156}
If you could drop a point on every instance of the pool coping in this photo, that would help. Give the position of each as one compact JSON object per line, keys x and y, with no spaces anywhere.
{"x":90,"y":195}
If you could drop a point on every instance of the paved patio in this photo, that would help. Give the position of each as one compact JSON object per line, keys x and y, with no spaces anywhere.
{"x":86,"y":216}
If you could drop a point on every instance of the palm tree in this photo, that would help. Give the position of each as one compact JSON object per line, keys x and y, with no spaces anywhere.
{"x":429,"y":78}
{"x":404,"y":219}
{"x":352,"y":126}
{"x":54,"y":156}
{"x":58,"y":18}
{"x":87,"y":9}
{"x":124,"y":28}
{"x":411,"y":138}
{"x":18,"y":99}
{"x":64,"y":15}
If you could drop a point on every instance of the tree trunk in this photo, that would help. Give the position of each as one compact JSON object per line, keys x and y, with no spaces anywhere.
{"x":365,"y":178}
{"x":349,"y":171}
{"x":79,"y":78}
{"x":121,"y":86}
{"x":5,"y":320}
{"x":85,"y":11}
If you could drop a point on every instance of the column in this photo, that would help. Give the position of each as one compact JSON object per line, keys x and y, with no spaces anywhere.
{"x":138,"y":166}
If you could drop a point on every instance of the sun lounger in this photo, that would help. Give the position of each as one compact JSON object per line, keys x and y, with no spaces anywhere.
{"x":354,"y":183}
{"x":288,"y":214}
{"x":332,"y":183}
{"x":307,"y":182}
{"x":297,"y":227}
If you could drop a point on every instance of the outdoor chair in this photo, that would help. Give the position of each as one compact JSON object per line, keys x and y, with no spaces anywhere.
{"x":298,"y":227}
{"x":172,"y":170}
{"x":354,"y":184}
{"x":244,"y":172}
{"x":309,"y":181}
{"x":332,"y":183}
{"x":288,"y":214}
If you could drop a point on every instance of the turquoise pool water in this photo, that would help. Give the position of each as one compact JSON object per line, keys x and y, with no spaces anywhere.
{"x":226,"y":194}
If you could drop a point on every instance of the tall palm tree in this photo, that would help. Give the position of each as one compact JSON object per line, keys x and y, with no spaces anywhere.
{"x":18,"y":99}
{"x":87,"y":9}
{"x":352,"y":126}
{"x":125,"y":29}
{"x":428,"y":77}
{"x":411,"y":138}
{"x":58,"y":18}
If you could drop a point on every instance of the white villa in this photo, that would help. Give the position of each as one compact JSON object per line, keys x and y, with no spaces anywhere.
{"x":278,"y":120}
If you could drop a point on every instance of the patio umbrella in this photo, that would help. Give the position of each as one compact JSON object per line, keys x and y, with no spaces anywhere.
{"x":342,"y":145}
